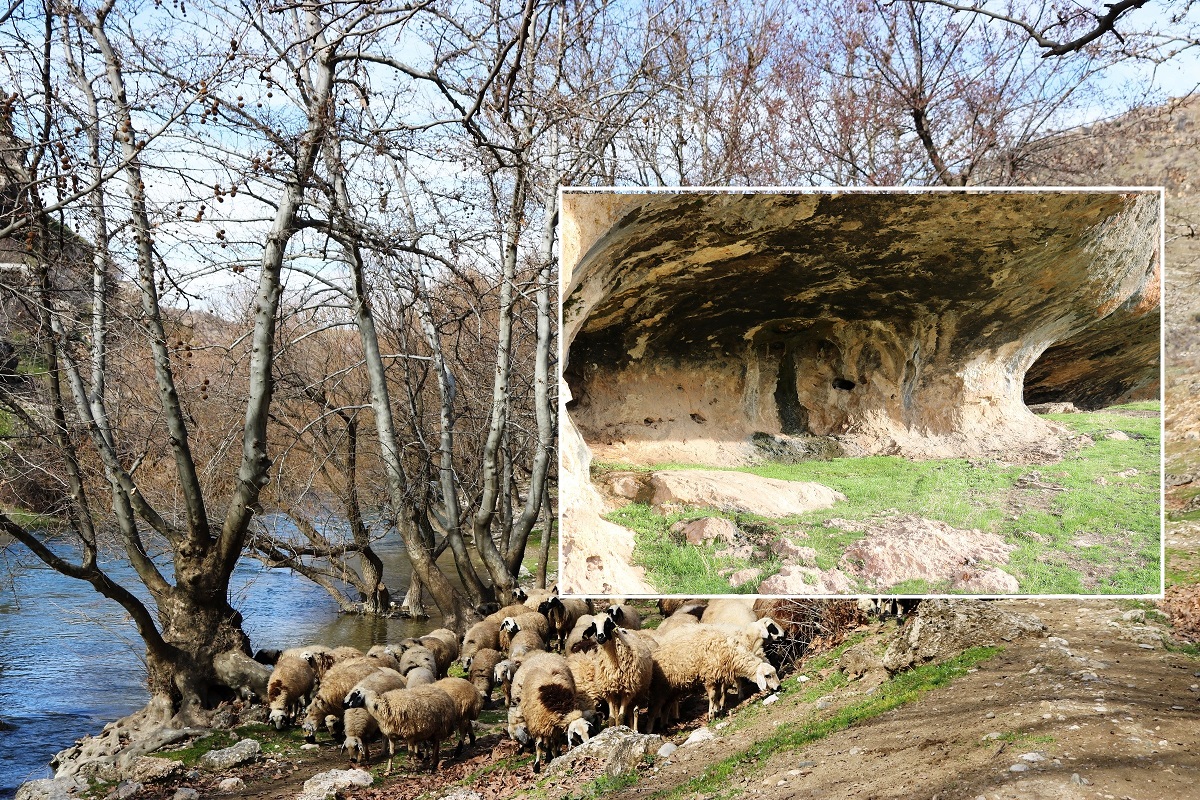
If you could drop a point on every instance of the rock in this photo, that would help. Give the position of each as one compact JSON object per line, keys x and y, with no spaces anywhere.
{"x":243,"y":674}
{"x":231,"y":785}
{"x":1079,"y":781}
{"x":858,"y":660}
{"x":257,"y":713}
{"x":1127,"y":473}
{"x":908,"y":547}
{"x":185,"y":793}
{"x":667,"y":749}
{"x":1117,"y":436}
{"x":1134,"y":615}
{"x":50,"y":789}
{"x":744,"y":576}
{"x":943,"y":628}
{"x":461,"y":794}
{"x":787,"y":549}
{"x":619,"y":749}
{"x":709,"y":529}
{"x":1018,"y":768}
{"x":743,"y":551}
{"x":740,"y":492}
{"x":148,"y":768}
{"x":1054,"y":408}
{"x":795,"y":580}
{"x":326,"y":785}
{"x":223,"y":719}
{"x":824,"y":703}
{"x":699,"y":735}
{"x":126,"y":790}
{"x":240,"y":753}
{"x":855,"y":751}
{"x":1032,"y":758}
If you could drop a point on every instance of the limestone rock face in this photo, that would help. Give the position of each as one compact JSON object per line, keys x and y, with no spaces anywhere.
{"x":899,"y":323}
{"x":740,"y":491}
{"x":944,"y":628}
{"x":619,"y":749}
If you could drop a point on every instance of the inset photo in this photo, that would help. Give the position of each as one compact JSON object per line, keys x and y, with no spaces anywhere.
{"x":847,"y":392}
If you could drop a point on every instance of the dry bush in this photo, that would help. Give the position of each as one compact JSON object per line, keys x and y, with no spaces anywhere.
{"x":811,"y":625}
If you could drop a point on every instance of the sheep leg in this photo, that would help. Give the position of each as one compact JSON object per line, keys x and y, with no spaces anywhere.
{"x":437,"y":745}
{"x":471,"y":731}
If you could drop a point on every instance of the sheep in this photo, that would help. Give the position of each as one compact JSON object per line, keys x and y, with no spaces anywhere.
{"x":624,"y":669}
{"x":678,"y":621}
{"x":705,"y":655}
{"x":418,"y":657}
{"x":625,"y":616}
{"x":338,"y":681}
{"x":469,"y":703}
{"x":481,"y":635}
{"x":729,"y":611}
{"x":561,"y":615}
{"x":358,"y":723}
{"x":385,"y":656}
{"x":420,"y":676}
{"x":532,"y":598}
{"x":290,"y":685}
{"x":503,"y":675}
{"x":575,"y":637}
{"x":481,"y":670}
{"x":513,"y":610}
{"x":448,"y":637}
{"x":524,"y":644}
{"x":753,"y":635}
{"x":415,"y":715}
{"x":323,"y":659}
{"x":532,"y":621}
{"x":583,"y":670}
{"x":668,"y":606}
{"x":544,"y":691}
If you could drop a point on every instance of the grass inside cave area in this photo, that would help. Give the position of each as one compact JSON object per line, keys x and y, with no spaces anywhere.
{"x":1079,"y":525}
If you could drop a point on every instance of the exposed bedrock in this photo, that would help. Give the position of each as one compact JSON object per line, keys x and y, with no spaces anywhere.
{"x":915,"y":324}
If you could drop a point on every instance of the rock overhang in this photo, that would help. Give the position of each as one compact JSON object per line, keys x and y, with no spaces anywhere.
{"x":892,"y":318}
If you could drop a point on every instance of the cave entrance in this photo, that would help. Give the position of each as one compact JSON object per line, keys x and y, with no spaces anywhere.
{"x":793,"y":416}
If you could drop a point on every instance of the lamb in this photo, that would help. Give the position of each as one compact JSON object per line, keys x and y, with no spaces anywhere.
{"x":481,"y":670}
{"x":481,"y":635}
{"x":625,"y":616}
{"x":532,"y":621}
{"x":544,"y":691}
{"x":624,"y":668}
{"x":358,"y":722}
{"x":290,"y":685}
{"x":415,"y":715}
{"x":561,"y":615}
{"x":418,"y":657}
{"x":327,"y":706}
{"x":469,"y":703}
{"x":705,"y":655}
{"x":575,"y":637}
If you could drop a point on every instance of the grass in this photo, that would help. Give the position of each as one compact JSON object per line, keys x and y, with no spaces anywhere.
{"x":1079,"y":526}
{"x":898,"y":691}
{"x":273,"y":742}
{"x":1018,"y":737}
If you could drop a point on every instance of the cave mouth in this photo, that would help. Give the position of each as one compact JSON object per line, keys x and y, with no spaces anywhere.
{"x":905,"y":323}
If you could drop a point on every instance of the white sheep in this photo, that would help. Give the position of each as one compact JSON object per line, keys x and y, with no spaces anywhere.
{"x":469,"y":703}
{"x":624,"y":669}
{"x":326,"y":708}
{"x":511,"y":610}
{"x":503,"y":676}
{"x":418,"y":656}
{"x":358,"y":723}
{"x":481,"y":635}
{"x":706,"y":656}
{"x":290,"y":686}
{"x":420,"y":676}
{"x":415,"y":715}
{"x":545,"y":700}
{"x":323,"y":659}
{"x":735,"y":611}
{"x":385,"y":655}
{"x":481,"y":670}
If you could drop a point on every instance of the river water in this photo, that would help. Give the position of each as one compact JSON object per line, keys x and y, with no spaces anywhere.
{"x":70,"y":660}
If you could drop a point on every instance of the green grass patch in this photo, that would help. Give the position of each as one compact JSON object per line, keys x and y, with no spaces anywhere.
{"x":1088,"y":524}
{"x":1137,"y":405}
{"x":601,"y":786}
{"x":284,"y":743}
{"x":902,"y":689}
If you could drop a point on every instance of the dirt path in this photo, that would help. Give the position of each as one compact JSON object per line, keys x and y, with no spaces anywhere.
{"x":1099,"y":698}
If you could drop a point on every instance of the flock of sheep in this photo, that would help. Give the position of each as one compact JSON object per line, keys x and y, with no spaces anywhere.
{"x":606,"y":670}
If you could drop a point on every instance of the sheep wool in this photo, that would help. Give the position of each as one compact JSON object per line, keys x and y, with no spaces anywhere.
{"x":482,"y":671}
{"x":337,"y":682}
{"x":469,"y":702}
{"x":624,"y":668}
{"x":481,"y":635}
{"x":290,"y":686}
{"x":706,"y":656}
{"x":359,"y":725}
{"x":545,"y":690}
{"x":416,"y":716}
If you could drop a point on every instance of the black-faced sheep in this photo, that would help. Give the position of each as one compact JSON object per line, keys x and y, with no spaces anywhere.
{"x":561,"y":614}
{"x":481,"y":670}
{"x":705,"y":656}
{"x":575,"y":637}
{"x":625,"y":616}
{"x":327,"y":707}
{"x":531,"y":621}
{"x":358,"y":723}
{"x":544,"y":693}
{"x":469,"y":703}
{"x":623,"y":669}
{"x":672,"y":605}
{"x":532,"y":598}
{"x":425,"y":714}
{"x":290,"y":686}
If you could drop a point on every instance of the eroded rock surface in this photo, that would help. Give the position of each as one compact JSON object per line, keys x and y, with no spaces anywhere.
{"x":944,"y":628}
{"x":740,"y":491}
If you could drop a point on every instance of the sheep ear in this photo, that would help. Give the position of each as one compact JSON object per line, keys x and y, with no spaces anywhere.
{"x":554,"y":590}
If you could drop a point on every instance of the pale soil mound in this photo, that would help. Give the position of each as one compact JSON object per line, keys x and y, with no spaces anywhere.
{"x":910,"y":547}
{"x":740,"y":492}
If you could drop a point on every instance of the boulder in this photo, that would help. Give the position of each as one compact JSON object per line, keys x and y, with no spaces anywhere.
{"x":618,"y":749}
{"x":740,"y":492}
{"x":241,"y":753}
{"x":709,"y":529}
{"x":944,"y":628}
{"x":859,"y":660}
{"x":51,"y":789}
{"x":326,"y":785}
{"x":798,"y":580}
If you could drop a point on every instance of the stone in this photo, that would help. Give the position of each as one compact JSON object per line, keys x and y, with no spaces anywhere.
{"x":243,"y":752}
{"x":243,"y":674}
{"x":1134,"y":615}
{"x":326,"y":785}
{"x":1117,"y":436}
{"x":667,"y":749}
{"x":1054,"y":408}
{"x":126,"y":790}
{"x":231,"y":785}
{"x":1019,"y":768}
{"x":618,"y":749}
{"x":824,"y":703}
{"x":858,"y":660}
{"x":710,"y":529}
{"x":1078,"y":780}
{"x":740,"y":492}
{"x":744,"y":576}
{"x":796,"y":580}
{"x":785,"y":548}
{"x":148,"y":768}
{"x":742,"y":551}
{"x":50,"y":789}
{"x":699,"y":735}
{"x":185,"y":793}
{"x":1032,"y":758}
{"x":944,"y":628}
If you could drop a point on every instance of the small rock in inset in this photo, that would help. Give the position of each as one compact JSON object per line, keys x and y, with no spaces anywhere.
{"x":770,"y":699}
{"x":744,"y":576}
{"x":1032,"y":758}
{"x":991,"y":737}
{"x":1127,"y":473}
{"x":667,"y":749}
{"x":329,"y":784}
{"x":787,"y":549}
{"x":242,"y":752}
{"x":1134,"y":615}
{"x":806,"y":764}
{"x":1117,"y":436}
{"x":1054,"y":408}
{"x":856,"y":751}
{"x":1018,"y":768}
{"x":824,"y":703}
{"x":700,"y":735}
{"x":703,"y":531}
{"x":310,"y":746}
{"x":186,"y":793}
{"x":126,"y":790}
{"x":231,"y":785}
{"x":1078,"y":780}
{"x":990,"y":715}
